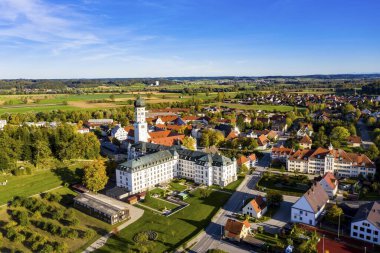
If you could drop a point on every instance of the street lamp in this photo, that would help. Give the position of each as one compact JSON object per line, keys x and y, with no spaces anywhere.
{"x":338,"y":226}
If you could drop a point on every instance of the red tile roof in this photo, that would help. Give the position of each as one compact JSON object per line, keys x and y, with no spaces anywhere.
{"x":330,"y":179}
{"x":235,"y":227}
{"x":306,"y":140}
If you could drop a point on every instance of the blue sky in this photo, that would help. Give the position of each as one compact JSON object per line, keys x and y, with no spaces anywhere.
{"x":152,"y":38}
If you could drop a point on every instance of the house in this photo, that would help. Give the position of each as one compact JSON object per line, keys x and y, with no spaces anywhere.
{"x":305,"y":129}
{"x":309,"y":207}
{"x":272,"y":135}
{"x":263,"y":142}
{"x":305,"y":142}
{"x":119,"y":133}
{"x":354,"y":141}
{"x":365,"y":225}
{"x":236,"y":230}
{"x":280,"y":153}
{"x":329,"y":184}
{"x":3,"y":123}
{"x":92,"y":123}
{"x":249,"y":161}
{"x":279,"y":126}
{"x":256,"y":207}
{"x":83,"y":130}
{"x":229,"y":131}
{"x":102,"y":207}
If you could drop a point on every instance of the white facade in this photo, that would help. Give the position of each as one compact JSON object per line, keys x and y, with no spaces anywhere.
{"x":303,"y":213}
{"x":3,"y":123}
{"x":365,"y":231}
{"x":140,"y":125}
{"x":254,"y":211}
{"x":119,"y":133}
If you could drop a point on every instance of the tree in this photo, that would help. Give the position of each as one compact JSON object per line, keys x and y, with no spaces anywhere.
{"x":333,"y":214}
{"x":372,"y":152}
{"x":352,"y":129}
{"x":274,"y":198}
{"x":244,"y":168}
{"x":112,"y":97}
{"x":204,"y":192}
{"x":310,"y":246}
{"x":95,"y":177}
{"x":339,"y":134}
{"x":347,"y":108}
{"x":371,"y":121}
{"x":189,"y":143}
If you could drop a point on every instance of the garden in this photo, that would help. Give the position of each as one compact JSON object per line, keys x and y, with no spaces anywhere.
{"x":172,"y":231}
{"x":47,"y":223}
{"x":295,"y":185}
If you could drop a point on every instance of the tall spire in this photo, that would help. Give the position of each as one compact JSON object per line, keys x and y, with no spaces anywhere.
{"x":331,"y":146}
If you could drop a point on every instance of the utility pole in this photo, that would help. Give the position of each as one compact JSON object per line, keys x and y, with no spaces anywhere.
{"x":339,"y":226}
{"x":323,"y":243}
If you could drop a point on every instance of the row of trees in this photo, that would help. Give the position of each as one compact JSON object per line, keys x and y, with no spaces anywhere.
{"x":36,"y":145}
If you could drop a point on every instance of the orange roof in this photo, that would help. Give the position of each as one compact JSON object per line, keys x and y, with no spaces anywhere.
{"x":190,"y":118}
{"x":166,"y":118}
{"x":282,"y":150}
{"x":168,"y":141}
{"x":232,"y":135}
{"x":252,"y":157}
{"x":272,"y":134}
{"x":160,"y":134}
{"x":262,"y":140}
{"x":306,"y":140}
{"x":242,"y":160}
{"x":330,"y":179}
{"x":235,"y":227}
{"x":354,"y":139}
{"x":258,"y":203}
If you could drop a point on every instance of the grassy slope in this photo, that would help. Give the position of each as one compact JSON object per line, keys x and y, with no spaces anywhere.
{"x":172,"y":231}
{"x":39,"y":182}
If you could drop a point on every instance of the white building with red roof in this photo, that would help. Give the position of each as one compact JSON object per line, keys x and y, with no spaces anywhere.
{"x":330,"y":184}
{"x":257,"y":207}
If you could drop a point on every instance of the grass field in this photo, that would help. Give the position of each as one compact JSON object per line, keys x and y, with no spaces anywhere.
{"x":172,"y":231}
{"x":177,"y":186}
{"x":38,"y":182}
{"x":74,"y":245}
{"x":158,"y":204}
{"x":269,"y":108}
{"x":71,"y":102}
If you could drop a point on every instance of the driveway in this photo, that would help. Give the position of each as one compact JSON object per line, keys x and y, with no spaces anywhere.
{"x":281,"y":217}
{"x":364,"y":133}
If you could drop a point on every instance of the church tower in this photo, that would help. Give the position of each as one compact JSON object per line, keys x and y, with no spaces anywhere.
{"x":140,"y":125}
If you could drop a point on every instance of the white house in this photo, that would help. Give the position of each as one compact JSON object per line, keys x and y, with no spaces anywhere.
{"x":3,"y":123}
{"x":366,"y":223}
{"x":119,"y":133}
{"x":329,"y":184}
{"x":256,"y":207}
{"x":309,"y":207}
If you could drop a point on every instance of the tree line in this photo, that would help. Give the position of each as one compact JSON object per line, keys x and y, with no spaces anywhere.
{"x":36,"y":145}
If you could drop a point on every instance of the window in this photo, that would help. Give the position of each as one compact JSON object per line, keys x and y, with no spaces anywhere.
{"x":375,"y":239}
{"x":355,"y":234}
{"x":361,"y":236}
{"x":356,"y":227}
{"x":376,"y":232}
{"x":369,"y":230}
{"x":368,"y":237}
{"x":361,"y":229}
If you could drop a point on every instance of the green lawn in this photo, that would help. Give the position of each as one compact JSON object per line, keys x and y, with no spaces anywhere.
{"x":232,"y":186}
{"x":177,"y":186}
{"x":158,"y":191}
{"x":158,"y":204}
{"x":38,"y":182}
{"x":173,"y":231}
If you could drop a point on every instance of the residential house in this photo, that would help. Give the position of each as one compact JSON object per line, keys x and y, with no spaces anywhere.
{"x":305,"y":129}
{"x":256,"y":208}
{"x":365,"y":225}
{"x":93,"y":123}
{"x":309,"y":207}
{"x":119,"y":133}
{"x":330,"y":184}
{"x":354,"y":141}
{"x":3,"y":123}
{"x":249,"y":161}
{"x":263,"y":142}
{"x":280,"y":153}
{"x":236,"y":230}
{"x":305,"y":142}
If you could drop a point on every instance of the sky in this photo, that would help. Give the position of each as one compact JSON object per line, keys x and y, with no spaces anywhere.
{"x":162,"y":38}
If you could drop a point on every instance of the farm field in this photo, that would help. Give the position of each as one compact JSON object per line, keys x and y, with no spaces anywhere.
{"x":39,"y":181}
{"x":173,"y":231}
{"x":71,"y":102}
{"x":76,"y":244}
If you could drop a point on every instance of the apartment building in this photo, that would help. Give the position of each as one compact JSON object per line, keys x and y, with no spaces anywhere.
{"x":336,"y":161}
{"x":365,"y":225}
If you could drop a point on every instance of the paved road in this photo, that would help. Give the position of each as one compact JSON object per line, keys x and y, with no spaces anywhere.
{"x":211,"y":238}
{"x":364,"y":133}
{"x":135,"y":213}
